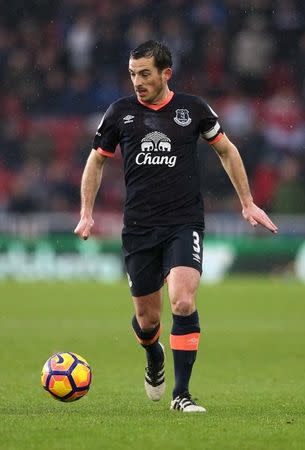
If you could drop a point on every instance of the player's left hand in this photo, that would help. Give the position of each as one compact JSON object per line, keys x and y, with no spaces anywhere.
{"x":256,"y":215}
{"x":84,"y":226}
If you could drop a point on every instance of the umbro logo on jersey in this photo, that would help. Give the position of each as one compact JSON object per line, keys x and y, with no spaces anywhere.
{"x":182,"y":117}
{"x":128,"y":119}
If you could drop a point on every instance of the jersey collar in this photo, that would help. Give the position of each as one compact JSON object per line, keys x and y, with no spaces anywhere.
{"x":160,"y":105}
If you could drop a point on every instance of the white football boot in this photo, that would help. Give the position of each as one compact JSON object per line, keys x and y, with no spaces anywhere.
{"x":185,"y":403}
{"x":154,"y":380}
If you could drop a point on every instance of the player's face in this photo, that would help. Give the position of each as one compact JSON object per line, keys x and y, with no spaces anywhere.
{"x":150,"y":83}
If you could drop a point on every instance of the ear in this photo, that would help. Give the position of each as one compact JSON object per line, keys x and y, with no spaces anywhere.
{"x":167,"y":73}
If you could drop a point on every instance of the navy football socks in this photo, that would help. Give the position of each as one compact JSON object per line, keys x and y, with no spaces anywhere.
{"x":184,"y":342}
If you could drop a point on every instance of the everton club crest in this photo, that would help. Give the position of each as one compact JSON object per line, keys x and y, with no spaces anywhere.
{"x":182,"y":117}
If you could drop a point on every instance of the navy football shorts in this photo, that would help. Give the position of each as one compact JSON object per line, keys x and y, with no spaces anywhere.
{"x":150,"y":254}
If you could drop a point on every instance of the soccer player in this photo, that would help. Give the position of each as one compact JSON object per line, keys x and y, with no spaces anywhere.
{"x":157,"y":130}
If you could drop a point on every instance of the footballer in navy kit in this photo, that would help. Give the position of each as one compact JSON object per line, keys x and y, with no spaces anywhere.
{"x":157,"y":131}
{"x":158,"y":145}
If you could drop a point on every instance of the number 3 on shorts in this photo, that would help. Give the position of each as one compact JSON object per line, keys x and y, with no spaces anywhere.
{"x":196,"y":242}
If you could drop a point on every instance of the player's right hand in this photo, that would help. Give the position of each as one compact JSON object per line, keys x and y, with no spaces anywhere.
{"x":255,"y":215}
{"x":84,"y":226}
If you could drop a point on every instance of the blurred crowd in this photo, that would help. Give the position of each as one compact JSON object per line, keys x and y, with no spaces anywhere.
{"x":62,"y":63}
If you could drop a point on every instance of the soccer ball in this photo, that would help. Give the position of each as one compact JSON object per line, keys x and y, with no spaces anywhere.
{"x":66,"y":376}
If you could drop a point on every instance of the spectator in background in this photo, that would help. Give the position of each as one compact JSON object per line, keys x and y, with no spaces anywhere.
{"x":300,"y":66}
{"x":79,"y":98}
{"x":214,"y":62}
{"x":106,"y":51}
{"x":18,"y":64}
{"x":177,"y":37}
{"x":29,"y":191}
{"x":283,"y":122}
{"x":12,"y":133}
{"x":39,"y":147}
{"x":79,"y":43}
{"x":62,"y":193}
{"x":288,"y":22}
{"x":265,"y":182}
{"x":252,"y":52}
{"x":53,"y":91}
{"x":106,"y":90}
{"x":238,"y":114}
{"x":6,"y":45}
{"x":140,"y":30}
{"x":208,"y":13}
{"x":289,"y":198}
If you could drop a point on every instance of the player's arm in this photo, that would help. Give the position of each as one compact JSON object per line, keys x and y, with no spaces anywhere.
{"x":91,"y":181}
{"x":104,"y":145}
{"x":233,"y":165}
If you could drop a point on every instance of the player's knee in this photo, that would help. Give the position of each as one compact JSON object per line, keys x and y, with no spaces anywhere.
{"x":183,"y":305}
{"x":148,"y":321}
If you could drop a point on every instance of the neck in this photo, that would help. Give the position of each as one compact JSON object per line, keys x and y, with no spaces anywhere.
{"x":156,"y":106}
{"x":162,"y":96}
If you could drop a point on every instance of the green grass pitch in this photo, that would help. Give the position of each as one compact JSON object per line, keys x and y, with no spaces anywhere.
{"x":250,"y":370}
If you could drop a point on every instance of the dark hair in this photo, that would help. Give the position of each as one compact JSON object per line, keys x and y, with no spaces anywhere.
{"x":161,"y":54}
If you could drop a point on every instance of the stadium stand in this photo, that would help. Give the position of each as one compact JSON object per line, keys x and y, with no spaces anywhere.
{"x":63,"y":62}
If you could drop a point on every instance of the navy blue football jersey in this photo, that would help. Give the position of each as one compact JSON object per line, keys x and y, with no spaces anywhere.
{"x":158,"y":146}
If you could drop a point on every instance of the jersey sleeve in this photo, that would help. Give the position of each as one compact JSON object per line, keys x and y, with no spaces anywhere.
{"x":106,"y":138}
{"x":209,"y":127}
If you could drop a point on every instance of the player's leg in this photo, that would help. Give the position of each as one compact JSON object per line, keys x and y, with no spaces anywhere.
{"x":145,"y":275}
{"x":146,"y":325}
{"x":184,"y":339}
{"x":184,"y":254}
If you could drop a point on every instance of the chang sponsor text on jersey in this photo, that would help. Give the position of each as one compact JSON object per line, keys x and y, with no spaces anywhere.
{"x":155,"y":142}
